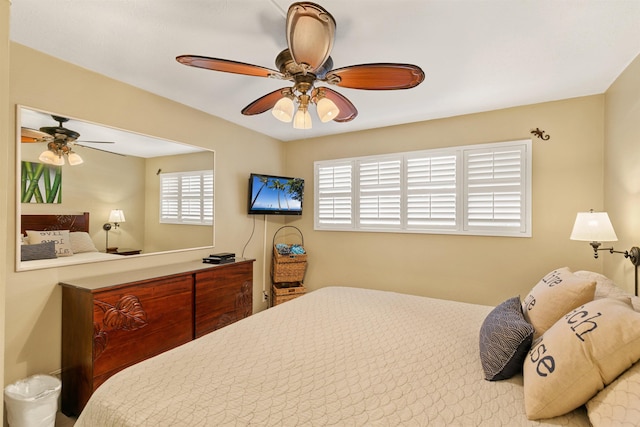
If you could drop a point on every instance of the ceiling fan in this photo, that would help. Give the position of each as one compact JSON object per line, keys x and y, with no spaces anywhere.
{"x":310,"y":31}
{"x":59,"y":142}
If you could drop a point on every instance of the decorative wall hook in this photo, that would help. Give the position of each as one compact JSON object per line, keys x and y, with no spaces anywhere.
{"x":540,"y":134}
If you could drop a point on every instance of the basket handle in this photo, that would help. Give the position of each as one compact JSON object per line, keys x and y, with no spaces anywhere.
{"x":287,"y":226}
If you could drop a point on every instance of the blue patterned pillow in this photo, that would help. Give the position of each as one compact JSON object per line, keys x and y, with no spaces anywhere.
{"x":505,"y":339}
{"x":44,"y":250}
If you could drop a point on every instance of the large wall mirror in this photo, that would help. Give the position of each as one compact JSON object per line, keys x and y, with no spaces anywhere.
{"x":106,"y":172}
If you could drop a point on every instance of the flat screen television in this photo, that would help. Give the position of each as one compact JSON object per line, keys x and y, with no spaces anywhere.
{"x":275,"y":195}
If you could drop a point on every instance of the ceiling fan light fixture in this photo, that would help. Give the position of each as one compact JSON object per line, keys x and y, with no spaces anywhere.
{"x":59,"y":160}
{"x":55,"y":153}
{"x":302,"y":119}
{"x":327,"y":110}
{"x":283,"y":110}
{"x":48,"y":157}
{"x":74,"y":159}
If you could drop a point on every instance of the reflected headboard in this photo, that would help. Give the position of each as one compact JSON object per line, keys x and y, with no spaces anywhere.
{"x":79,"y":222}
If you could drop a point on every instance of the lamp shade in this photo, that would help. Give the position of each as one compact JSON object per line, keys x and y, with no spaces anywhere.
{"x":327,"y":110}
{"x":283,"y":110}
{"x":58,"y":160}
{"x":48,"y":156}
{"x":116,"y":216}
{"x":75,"y":159}
{"x":302,"y":119}
{"x":593,"y":227}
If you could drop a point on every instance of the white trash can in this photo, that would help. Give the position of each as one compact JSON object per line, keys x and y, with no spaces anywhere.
{"x":33,"y":401}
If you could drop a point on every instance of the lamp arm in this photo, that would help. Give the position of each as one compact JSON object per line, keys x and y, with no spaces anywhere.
{"x":633,"y":254}
{"x":596,"y":247}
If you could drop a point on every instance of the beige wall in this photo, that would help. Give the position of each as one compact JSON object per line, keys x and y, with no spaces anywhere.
{"x":622,"y":170}
{"x":567,"y":177}
{"x":32,"y":309}
{"x":5,"y":168}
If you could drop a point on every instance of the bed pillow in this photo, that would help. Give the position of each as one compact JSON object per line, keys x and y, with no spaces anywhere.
{"x":553,"y":296}
{"x":619,"y":402}
{"x":59,"y":237}
{"x":606,"y":288}
{"x":81,"y":242}
{"x":505,"y":339}
{"x":46,"y":250}
{"x":579,"y":355}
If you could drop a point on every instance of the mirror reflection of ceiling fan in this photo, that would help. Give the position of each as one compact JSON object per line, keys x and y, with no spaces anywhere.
{"x":310,"y":31}
{"x":60,"y":141}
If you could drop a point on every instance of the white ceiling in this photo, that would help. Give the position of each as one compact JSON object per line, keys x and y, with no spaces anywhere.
{"x":106,"y":138}
{"x":478,"y":55}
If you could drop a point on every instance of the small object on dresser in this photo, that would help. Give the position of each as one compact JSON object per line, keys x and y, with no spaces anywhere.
{"x":212,"y":259}
{"x":127,"y":251}
{"x":224,"y":255}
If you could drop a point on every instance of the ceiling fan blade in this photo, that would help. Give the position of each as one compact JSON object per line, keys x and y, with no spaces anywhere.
{"x":227,"y":66}
{"x":348,"y":111}
{"x":310,"y":34}
{"x":33,"y":135}
{"x":382,"y":76}
{"x":265,"y":103}
{"x":99,"y":149}
{"x":94,"y":142}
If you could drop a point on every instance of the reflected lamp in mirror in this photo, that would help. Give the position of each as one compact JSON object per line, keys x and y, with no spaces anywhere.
{"x":595,"y":228}
{"x":116,"y":216}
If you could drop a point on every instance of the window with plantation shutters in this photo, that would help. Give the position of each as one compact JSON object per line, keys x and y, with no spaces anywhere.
{"x":480,"y":190}
{"x":186,"y":198}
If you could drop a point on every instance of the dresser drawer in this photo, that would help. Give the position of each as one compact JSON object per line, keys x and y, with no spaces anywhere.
{"x":222,"y":296}
{"x":134,"y":323}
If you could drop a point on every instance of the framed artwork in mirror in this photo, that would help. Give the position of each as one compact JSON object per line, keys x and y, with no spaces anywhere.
{"x":40,"y":183}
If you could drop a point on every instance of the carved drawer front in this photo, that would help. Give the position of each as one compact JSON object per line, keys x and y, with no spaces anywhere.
{"x":222,"y":296}
{"x":133,"y":323}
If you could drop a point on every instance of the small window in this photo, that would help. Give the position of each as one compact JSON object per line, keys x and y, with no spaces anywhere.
{"x":480,"y":189}
{"x":186,"y":198}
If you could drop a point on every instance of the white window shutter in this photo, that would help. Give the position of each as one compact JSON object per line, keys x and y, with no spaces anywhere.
{"x":495,"y":189}
{"x":334,"y":195}
{"x":431,"y":192}
{"x":379,"y":193}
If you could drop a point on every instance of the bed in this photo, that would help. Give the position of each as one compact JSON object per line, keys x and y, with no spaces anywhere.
{"x":336,"y":356}
{"x":54,"y":240}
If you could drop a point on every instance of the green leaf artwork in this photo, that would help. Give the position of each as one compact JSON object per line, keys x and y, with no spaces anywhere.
{"x":40,"y":183}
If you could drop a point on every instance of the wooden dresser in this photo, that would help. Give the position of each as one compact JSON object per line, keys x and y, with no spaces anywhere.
{"x":112,"y":321}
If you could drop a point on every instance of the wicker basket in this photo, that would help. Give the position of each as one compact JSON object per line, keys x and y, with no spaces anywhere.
{"x":288,"y":268}
{"x":283,"y":294}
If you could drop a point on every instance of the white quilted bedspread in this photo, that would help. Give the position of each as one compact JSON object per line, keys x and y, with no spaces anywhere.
{"x":334,"y":357}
